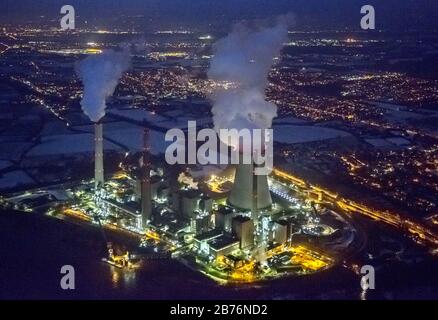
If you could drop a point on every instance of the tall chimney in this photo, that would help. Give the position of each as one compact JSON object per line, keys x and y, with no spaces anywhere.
{"x":146,"y":197}
{"x":98,"y":156}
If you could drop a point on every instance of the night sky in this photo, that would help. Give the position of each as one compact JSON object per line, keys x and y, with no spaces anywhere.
{"x":391,"y":14}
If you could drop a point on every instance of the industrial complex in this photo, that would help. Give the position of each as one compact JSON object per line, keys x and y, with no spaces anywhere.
{"x":233,"y":226}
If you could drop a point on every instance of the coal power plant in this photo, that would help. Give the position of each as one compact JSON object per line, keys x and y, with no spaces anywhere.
{"x":152,"y":198}
{"x":241,"y":150}
{"x":229,"y":223}
{"x":158,"y":204}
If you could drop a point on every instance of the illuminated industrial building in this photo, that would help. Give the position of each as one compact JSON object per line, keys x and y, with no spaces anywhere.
{"x":221,"y":227}
{"x":280,"y":231}
{"x":223,"y":218}
{"x":216,"y":243}
{"x":243,"y":229}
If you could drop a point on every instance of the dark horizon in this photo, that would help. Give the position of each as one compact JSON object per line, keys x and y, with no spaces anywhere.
{"x":120,"y":130}
{"x":392,"y":14}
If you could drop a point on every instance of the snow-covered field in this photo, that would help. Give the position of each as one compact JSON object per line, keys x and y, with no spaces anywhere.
{"x":67,"y":144}
{"x":176,"y":119}
{"x":401,"y":114}
{"x":301,"y":134}
{"x":388,"y":142}
{"x":132,"y":138}
{"x":137,"y":115}
{"x":14,"y":179}
{"x":399,"y":141}
{"x":119,"y":134}
{"x":13,"y":150}
{"x":289,"y":120}
{"x":131,"y":135}
{"x":55,"y":127}
{"x":378,"y":143}
{"x":5,"y":164}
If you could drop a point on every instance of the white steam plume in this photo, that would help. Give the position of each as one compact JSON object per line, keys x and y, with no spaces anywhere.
{"x":100,"y":75}
{"x":245,"y":58}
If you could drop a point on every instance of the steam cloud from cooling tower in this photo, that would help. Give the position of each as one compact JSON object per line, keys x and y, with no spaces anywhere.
{"x":245,"y":58}
{"x":100,"y":75}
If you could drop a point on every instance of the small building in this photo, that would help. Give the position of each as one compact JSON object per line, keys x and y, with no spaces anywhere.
{"x":280,"y":231}
{"x":216,"y":243}
{"x":201,"y":223}
{"x":157,"y":183}
{"x":206,"y":204}
{"x":130,"y":210}
{"x":186,"y":202}
{"x":223,"y":245}
{"x":201,"y":240}
{"x":163,"y":192}
{"x":189,"y":206}
{"x":223,"y":218}
{"x":234,"y":261}
{"x":176,"y":202}
{"x":243,"y":229}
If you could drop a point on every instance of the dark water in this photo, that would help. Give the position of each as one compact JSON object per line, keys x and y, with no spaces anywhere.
{"x":33,"y":250}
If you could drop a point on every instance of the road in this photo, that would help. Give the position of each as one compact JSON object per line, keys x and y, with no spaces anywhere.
{"x":5,"y":49}
{"x":414,"y":228}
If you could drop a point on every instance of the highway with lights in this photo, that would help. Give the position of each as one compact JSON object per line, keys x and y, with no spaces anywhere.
{"x":417,"y":230}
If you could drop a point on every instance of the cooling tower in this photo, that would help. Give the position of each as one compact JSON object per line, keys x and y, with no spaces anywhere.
{"x":98,"y":155}
{"x":245,"y":184}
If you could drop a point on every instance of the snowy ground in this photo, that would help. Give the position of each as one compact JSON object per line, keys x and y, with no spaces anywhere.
{"x":67,"y":144}
{"x":289,"y":120}
{"x":399,"y":141}
{"x":301,"y":134}
{"x":401,"y":114}
{"x":14,"y":179}
{"x":13,"y":150}
{"x":168,"y":120}
{"x":5,"y":164}
{"x":130,"y":136}
{"x":379,"y":143}
{"x":55,"y":127}
{"x":388,"y":142}
{"x":137,"y":115}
